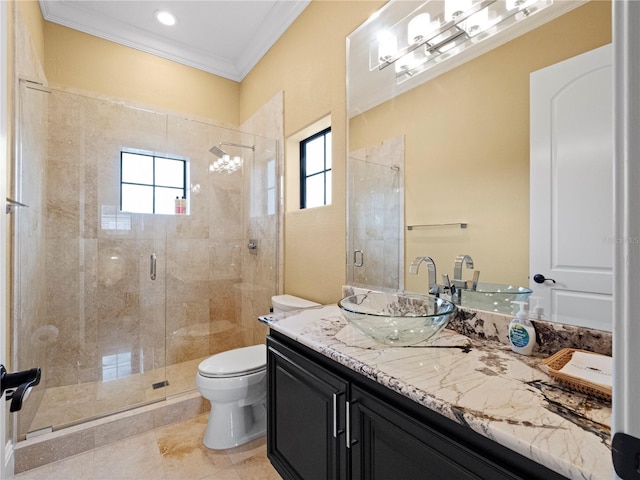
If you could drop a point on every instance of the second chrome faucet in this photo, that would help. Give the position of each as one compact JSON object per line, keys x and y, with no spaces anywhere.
{"x":434,"y":289}
{"x":453,"y":287}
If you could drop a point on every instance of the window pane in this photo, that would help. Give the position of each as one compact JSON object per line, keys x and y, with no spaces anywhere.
{"x":328,"y":198}
{"x":328,"y":151}
{"x":137,"y":199}
{"x":271,"y":201}
{"x":166,"y":200}
{"x":170,"y":173}
{"x":137,"y":168}
{"x":314,"y":151}
{"x":271,"y":174}
{"x":315,"y":191}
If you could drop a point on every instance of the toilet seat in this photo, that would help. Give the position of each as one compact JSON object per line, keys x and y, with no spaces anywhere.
{"x":235,"y":363}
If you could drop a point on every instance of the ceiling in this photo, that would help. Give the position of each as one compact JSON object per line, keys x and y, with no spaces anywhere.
{"x":223,"y":37}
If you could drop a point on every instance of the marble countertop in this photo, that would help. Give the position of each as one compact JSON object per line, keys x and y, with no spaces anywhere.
{"x":478,"y":383}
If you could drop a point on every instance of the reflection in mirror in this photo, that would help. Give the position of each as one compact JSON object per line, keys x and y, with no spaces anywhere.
{"x":375,"y":236}
{"x":466,"y":141}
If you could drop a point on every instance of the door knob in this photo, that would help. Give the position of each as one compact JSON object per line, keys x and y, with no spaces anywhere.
{"x":539,"y":278}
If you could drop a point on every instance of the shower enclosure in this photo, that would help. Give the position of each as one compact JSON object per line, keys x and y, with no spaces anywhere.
{"x":116,"y":306}
{"x":375,"y":216}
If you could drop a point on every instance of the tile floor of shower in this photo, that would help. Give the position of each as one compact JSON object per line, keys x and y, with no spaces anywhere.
{"x":169,"y":452}
{"x":70,"y":404}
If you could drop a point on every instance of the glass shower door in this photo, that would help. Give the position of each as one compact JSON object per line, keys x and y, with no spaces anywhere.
{"x":86,"y":309}
{"x":375,"y":220}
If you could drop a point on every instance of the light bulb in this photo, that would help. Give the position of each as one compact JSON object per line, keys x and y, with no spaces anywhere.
{"x":387,"y":46}
{"x":405,"y":63}
{"x":454,"y":8}
{"x":418,"y":28}
{"x":478,"y":22}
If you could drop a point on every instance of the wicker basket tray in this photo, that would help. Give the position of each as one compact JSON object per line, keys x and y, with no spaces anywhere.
{"x":558,"y":360}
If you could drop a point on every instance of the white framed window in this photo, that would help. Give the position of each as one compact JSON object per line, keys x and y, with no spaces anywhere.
{"x":150,"y":183}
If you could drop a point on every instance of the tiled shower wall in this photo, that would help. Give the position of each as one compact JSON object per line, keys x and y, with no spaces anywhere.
{"x":263,"y":215}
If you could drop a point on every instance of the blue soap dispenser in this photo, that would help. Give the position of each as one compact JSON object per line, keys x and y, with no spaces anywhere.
{"x":522,"y":335}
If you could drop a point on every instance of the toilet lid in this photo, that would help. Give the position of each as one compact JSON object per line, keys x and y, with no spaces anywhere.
{"x":235,"y":362}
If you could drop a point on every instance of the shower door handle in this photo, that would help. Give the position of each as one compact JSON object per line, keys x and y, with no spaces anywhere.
{"x":357,"y":263}
{"x":152,"y":266}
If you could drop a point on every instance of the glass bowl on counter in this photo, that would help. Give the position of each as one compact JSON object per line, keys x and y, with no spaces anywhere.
{"x":397,"y":319}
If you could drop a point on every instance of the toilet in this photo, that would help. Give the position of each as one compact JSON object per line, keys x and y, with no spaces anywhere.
{"x":289,"y":303}
{"x":235,"y":382}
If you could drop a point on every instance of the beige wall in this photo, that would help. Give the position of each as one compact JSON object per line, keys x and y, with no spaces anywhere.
{"x":79,"y":61}
{"x":467,"y":149}
{"x":32,"y":17}
{"x":308,"y":64}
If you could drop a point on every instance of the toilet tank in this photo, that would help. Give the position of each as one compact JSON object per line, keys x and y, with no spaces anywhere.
{"x":288,"y":303}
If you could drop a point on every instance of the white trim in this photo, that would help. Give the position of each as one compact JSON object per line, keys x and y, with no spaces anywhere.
{"x":6,"y":444}
{"x":8,"y":465}
{"x":626,"y":310}
{"x":83,"y":18}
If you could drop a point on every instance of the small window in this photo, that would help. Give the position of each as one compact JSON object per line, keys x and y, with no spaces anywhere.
{"x":315,"y":170}
{"x":151,"y":184}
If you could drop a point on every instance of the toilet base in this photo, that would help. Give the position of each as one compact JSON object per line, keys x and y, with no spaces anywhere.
{"x":230,"y":425}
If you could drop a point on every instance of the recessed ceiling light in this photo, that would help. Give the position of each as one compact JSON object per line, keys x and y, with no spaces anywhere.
{"x":165,"y":17}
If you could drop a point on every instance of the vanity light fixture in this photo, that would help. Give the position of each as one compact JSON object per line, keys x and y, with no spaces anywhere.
{"x":438,"y":30}
{"x":165,"y":17}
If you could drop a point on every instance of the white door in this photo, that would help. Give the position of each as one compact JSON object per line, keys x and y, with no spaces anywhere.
{"x":6,"y":451}
{"x":571,"y":196}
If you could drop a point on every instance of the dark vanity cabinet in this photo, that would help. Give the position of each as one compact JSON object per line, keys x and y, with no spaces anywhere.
{"x":306,"y":417}
{"x":326,"y":421}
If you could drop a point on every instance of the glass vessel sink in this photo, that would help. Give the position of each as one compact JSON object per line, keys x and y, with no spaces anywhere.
{"x":397,"y":319}
{"x":495,"y":297}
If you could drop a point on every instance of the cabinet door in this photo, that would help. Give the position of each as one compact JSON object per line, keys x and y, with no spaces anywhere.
{"x":306,"y":415}
{"x":387,"y":444}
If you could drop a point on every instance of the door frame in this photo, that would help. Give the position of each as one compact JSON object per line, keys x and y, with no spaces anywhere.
{"x":6,"y":443}
{"x":626,"y":281}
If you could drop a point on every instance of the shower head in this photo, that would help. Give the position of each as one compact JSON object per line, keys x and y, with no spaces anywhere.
{"x":251,"y":147}
{"x":218,"y":152}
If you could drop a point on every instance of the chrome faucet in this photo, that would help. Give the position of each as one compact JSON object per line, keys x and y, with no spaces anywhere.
{"x":457,"y":270}
{"x":431,"y":265}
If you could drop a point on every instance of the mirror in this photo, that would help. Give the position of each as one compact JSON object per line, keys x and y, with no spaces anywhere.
{"x":466,"y":140}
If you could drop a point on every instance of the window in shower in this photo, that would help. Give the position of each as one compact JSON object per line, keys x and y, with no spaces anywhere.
{"x":151,"y":183}
{"x":315,"y":170}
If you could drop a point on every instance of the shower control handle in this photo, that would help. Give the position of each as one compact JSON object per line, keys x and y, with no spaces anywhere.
{"x":152,"y":266}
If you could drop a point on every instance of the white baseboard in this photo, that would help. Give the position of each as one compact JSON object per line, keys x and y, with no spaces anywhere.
{"x":8,"y":462}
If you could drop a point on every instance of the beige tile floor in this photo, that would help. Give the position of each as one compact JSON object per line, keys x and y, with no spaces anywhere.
{"x":172,"y":452}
